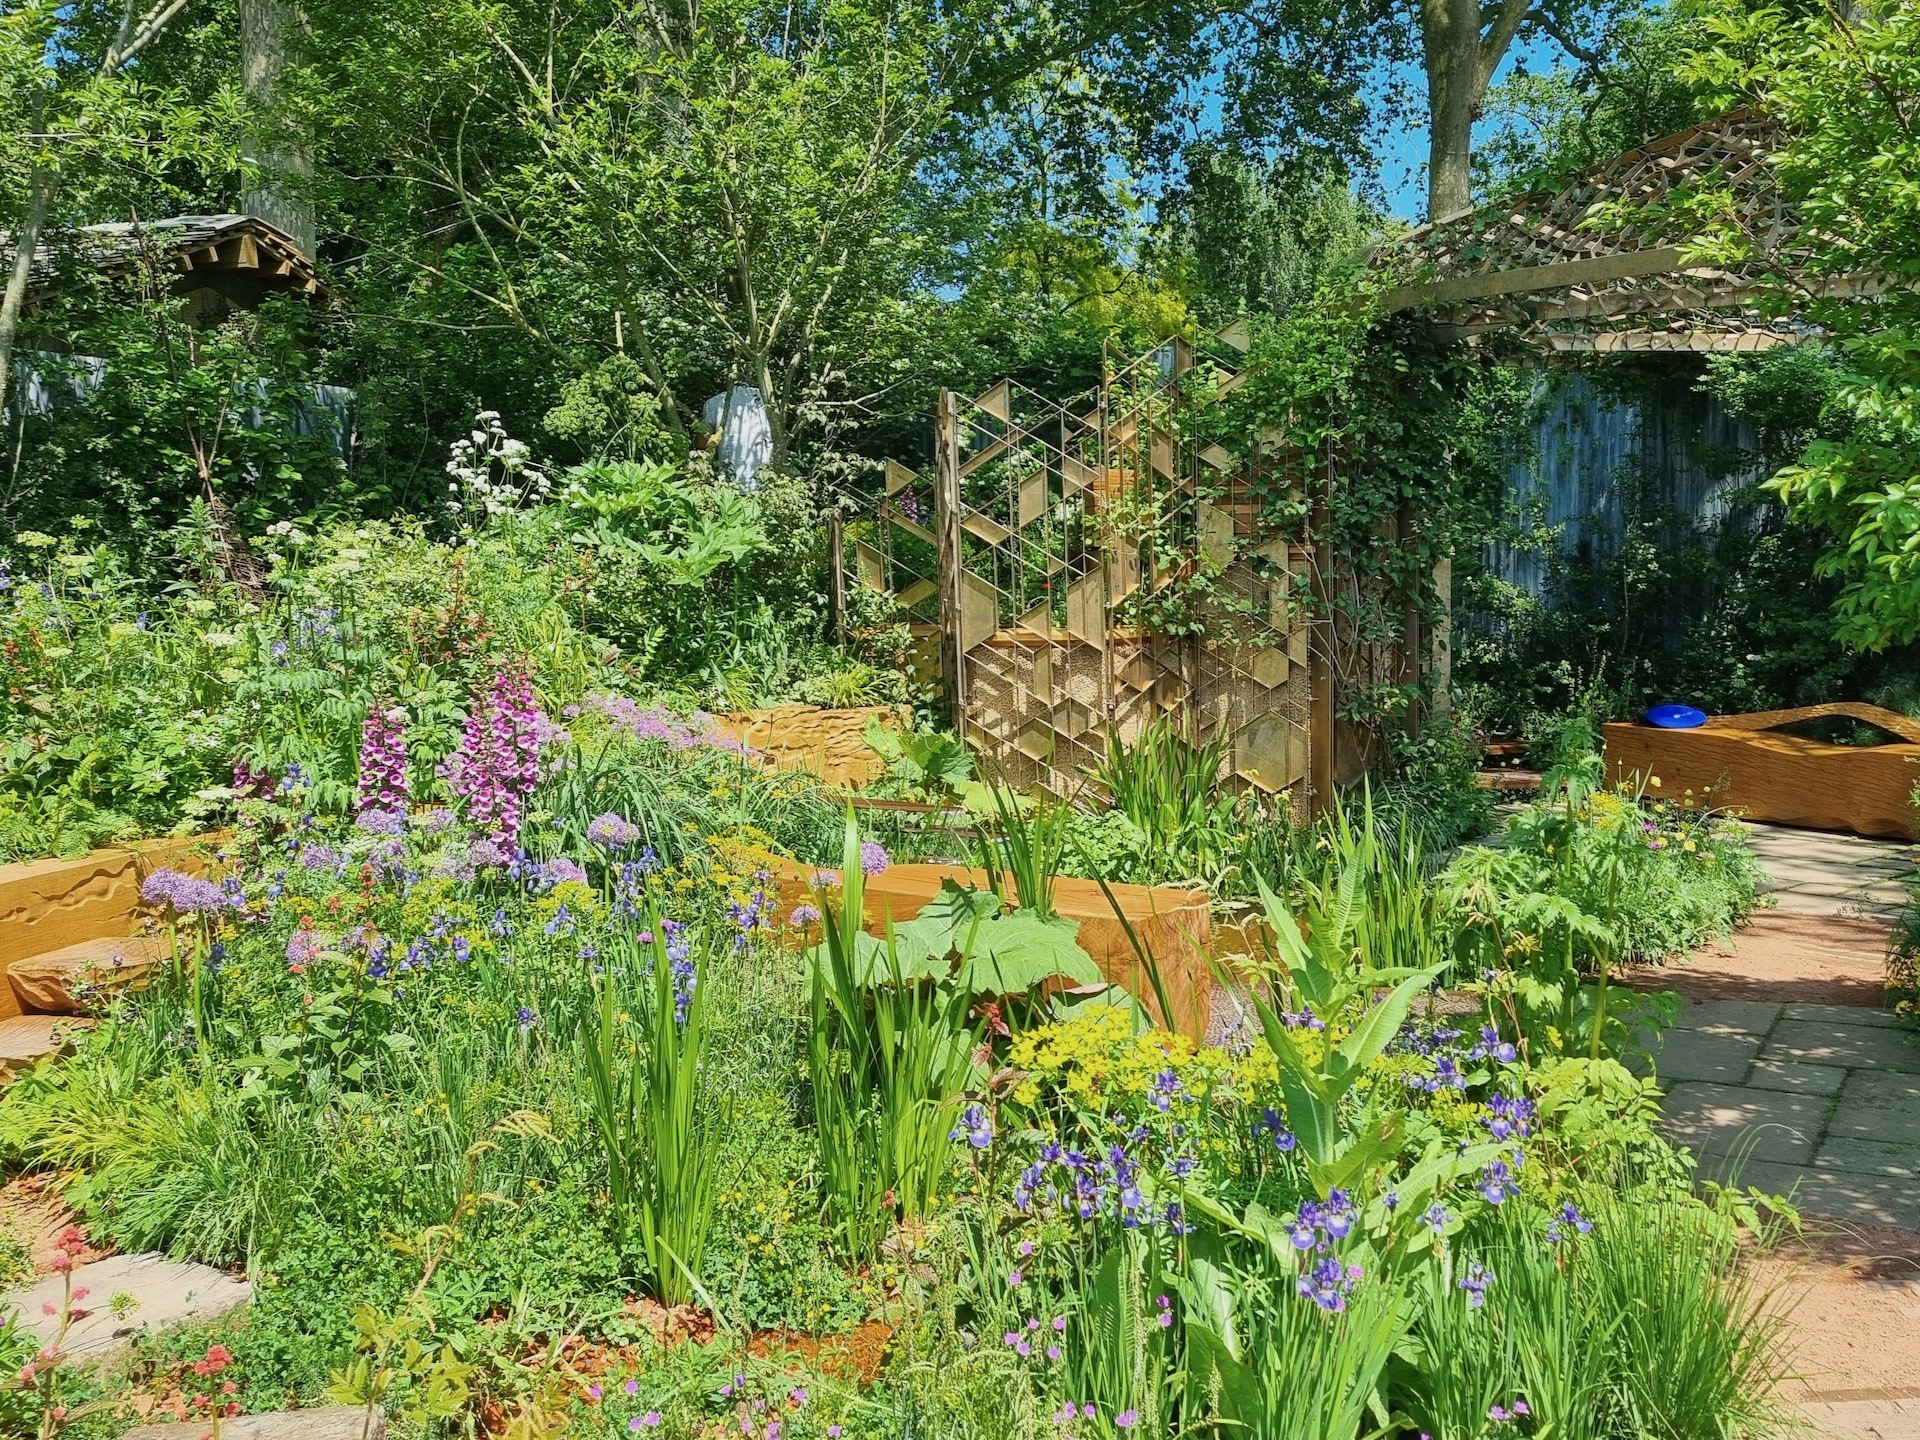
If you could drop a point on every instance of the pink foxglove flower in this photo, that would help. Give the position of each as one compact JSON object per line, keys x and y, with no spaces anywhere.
{"x":383,"y":760}
{"x":498,"y":763}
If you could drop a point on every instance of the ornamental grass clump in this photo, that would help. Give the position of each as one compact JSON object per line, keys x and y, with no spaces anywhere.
{"x":888,"y":1056}
{"x":645,"y":1053}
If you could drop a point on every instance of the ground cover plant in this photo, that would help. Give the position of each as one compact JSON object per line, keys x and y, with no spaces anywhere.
{"x":1602,"y":875}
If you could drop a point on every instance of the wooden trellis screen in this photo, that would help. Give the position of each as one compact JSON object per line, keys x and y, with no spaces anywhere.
{"x":1087,"y":568}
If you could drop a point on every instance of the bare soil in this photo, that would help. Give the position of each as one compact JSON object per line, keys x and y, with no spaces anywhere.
{"x":1782,"y":956}
{"x":1852,"y":1299}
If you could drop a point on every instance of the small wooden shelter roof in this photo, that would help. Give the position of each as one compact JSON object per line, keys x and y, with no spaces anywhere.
{"x":240,"y":256}
{"x":1598,"y":265}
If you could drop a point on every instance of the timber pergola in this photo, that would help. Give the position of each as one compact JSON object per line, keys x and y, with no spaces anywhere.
{"x":213,"y":262}
{"x":1599,"y":266}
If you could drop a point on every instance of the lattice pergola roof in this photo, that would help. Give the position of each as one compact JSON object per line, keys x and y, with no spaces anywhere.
{"x":1597,"y":267}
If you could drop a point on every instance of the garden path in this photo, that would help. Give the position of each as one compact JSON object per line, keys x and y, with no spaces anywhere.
{"x":1784,"y":1073}
{"x":1812,"y":872}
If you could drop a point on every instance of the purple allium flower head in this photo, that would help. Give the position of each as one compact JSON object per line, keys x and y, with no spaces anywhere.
{"x":187,"y":895}
{"x":558,"y":871}
{"x":873,"y":858}
{"x":612,"y":832}
{"x":803,"y":916}
{"x":303,"y":945}
{"x":319,"y":857}
{"x":482,"y":853}
{"x":376,"y":821}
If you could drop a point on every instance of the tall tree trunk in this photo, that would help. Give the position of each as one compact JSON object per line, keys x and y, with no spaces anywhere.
{"x":1462,"y":44}
{"x":26,"y":242}
{"x":1450,"y":35}
{"x":268,"y":30}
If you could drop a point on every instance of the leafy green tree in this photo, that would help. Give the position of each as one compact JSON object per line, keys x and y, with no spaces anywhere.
{"x":84,"y":130}
{"x":725,"y":194}
{"x":1848,"y":92}
{"x":1547,"y":125}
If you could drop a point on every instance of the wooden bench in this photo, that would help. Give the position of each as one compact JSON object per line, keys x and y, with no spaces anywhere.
{"x":1745,"y":765}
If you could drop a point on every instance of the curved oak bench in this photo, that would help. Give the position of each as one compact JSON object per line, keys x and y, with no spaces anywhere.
{"x":1745,"y":764}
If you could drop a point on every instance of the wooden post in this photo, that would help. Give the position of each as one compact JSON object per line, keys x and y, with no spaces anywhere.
{"x":1320,"y":642}
{"x":1411,"y":663}
{"x":837,"y":541}
{"x":946,"y":529}
{"x":1442,"y":659}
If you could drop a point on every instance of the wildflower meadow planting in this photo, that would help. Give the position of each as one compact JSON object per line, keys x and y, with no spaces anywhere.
{"x":551,"y":1066}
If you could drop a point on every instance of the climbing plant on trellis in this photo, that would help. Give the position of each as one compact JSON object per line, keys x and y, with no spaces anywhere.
{"x":1086,"y":568}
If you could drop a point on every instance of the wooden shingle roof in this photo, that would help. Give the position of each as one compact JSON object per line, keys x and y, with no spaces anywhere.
{"x":223,"y":249}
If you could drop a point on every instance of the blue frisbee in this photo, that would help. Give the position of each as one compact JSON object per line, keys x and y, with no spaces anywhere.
{"x":1676,"y":717}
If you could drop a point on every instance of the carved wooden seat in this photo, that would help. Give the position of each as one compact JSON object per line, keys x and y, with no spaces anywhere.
{"x":1747,"y":765}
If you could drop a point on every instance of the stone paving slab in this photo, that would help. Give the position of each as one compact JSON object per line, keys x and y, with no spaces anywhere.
{"x":159,"y":1294}
{"x":1815,"y":872}
{"x":1682,"y":1055}
{"x":1731,"y":1017}
{"x":1879,"y":1105}
{"x":1719,"y":1119}
{"x":1868,"y":1157}
{"x":1834,"y":1194}
{"x":1796,"y":1075}
{"x":1851,"y":1015}
{"x":1856,"y":1047}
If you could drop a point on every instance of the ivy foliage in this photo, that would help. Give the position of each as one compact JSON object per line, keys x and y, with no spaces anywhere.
{"x":1372,"y":416}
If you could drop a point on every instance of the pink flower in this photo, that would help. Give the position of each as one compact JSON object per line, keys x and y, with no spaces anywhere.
{"x":383,"y":763}
{"x":498,"y":762}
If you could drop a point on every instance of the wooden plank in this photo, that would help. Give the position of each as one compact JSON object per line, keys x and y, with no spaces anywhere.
{"x":946,"y":511}
{"x":1592,"y":271}
{"x":1641,"y":342}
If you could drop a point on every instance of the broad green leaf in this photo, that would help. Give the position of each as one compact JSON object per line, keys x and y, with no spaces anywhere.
{"x":1380,"y":1025}
{"x":1014,"y":953}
